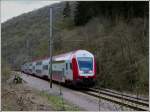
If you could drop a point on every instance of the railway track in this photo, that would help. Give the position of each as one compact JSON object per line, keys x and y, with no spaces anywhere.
{"x":116,"y":97}
{"x":119,"y":98}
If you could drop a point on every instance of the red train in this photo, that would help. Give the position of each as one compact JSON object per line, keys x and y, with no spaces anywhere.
{"x":76,"y":67}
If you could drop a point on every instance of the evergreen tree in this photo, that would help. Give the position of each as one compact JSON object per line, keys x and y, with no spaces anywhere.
{"x":67,"y":20}
{"x":82,"y":13}
{"x":67,"y":10}
{"x":110,"y":9}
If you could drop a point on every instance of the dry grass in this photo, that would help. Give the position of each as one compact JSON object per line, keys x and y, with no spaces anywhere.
{"x":18,"y":97}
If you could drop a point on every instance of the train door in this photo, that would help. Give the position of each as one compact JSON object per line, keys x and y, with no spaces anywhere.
{"x":58,"y":71}
{"x":66,"y":68}
{"x":68,"y":71}
{"x":63,"y":71}
{"x":63,"y":75}
{"x":39,"y":68}
{"x":33,"y":68}
{"x":45,"y":70}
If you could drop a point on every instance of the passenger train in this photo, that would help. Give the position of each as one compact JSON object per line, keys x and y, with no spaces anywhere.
{"x":76,"y":67}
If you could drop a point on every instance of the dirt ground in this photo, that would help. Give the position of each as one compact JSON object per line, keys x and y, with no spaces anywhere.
{"x":17,"y":97}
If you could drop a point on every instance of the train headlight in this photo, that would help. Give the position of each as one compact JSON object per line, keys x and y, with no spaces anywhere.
{"x":81,"y":72}
{"x":90,"y":71}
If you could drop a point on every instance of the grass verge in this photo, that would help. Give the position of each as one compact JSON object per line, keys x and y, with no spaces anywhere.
{"x":58,"y":103}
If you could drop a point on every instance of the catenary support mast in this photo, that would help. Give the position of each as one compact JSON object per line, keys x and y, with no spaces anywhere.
{"x":51,"y":43}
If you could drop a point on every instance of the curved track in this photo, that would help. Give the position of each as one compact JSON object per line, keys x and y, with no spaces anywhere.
{"x":119,"y":98}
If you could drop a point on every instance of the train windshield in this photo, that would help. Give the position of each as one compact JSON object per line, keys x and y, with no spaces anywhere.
{"x":85,"y":63}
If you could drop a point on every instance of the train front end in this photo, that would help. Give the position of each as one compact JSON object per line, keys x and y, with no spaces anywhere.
{"x":84,"y":68}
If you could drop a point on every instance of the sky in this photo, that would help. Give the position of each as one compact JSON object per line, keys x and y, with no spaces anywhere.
{"x":12,"y":8}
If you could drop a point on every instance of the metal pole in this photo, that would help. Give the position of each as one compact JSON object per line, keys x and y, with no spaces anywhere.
{"x":51,"y":42}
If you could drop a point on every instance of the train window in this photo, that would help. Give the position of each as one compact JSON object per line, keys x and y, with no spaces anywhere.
{"x":70,"y":66}
{"x":39,"y":63}
{"x":66,"y":66}
{"x":85,"y":63}
{"x":38,"y":71}
{"x":45,"y":67}
{"x":33,"y":67}
{"x":30,"y":70}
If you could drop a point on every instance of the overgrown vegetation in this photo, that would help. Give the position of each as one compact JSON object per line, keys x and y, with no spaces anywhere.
{"x":122,"y":58}
{"x":19,"y":97}
{"x":115,"y":32}
{"x":59,"y":104}
{"x":5,"y":70}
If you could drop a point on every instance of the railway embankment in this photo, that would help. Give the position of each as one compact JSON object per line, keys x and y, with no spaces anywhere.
{"x":18,"y":96}
{"x":76,"y":97}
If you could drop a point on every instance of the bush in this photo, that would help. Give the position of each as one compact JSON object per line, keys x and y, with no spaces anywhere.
{"x":6,"y":70}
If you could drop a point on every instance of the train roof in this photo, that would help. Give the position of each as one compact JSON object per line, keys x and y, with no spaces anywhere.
{"x":68,"y":56}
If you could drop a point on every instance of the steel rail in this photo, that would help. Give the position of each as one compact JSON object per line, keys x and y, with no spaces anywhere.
{"x":120,"y":95}
{"x":119,"y":99}
{"x":125,"y":94}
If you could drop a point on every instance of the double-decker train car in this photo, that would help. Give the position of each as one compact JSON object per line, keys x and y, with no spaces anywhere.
{"x":76,"y":67}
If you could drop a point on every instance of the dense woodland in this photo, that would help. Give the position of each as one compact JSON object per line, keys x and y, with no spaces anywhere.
{"x":115,"y":32}
{"x":112,"y":10}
